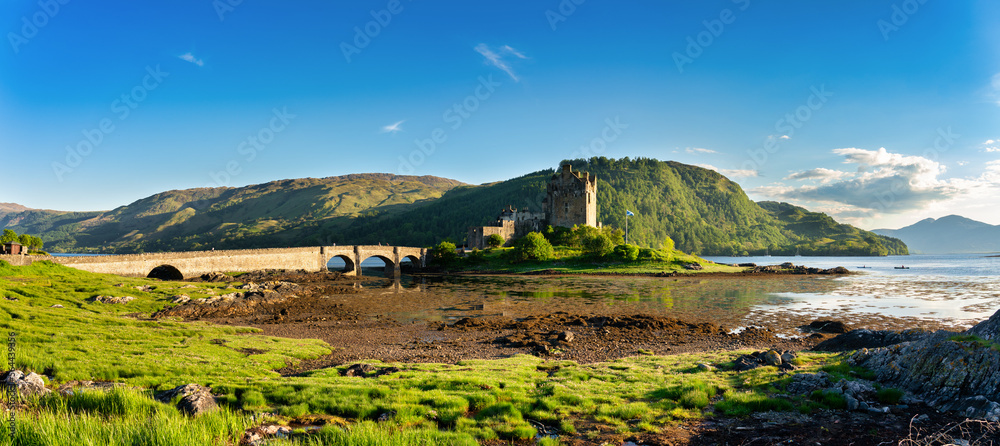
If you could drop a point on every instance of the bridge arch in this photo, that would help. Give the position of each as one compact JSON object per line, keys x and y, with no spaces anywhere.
{"x":166,"y":272}
{"x":390,"y":264}
{"x":349,"y":265}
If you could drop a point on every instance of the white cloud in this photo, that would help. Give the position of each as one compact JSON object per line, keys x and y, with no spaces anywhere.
{"x":731,"y":173}
{"x":991,"y":146}
{"x":698,"y":150}
{"x":885,"y":181}
{"x":496,"y":58}
{"x":822,"y":174}
{"x":190,"y":58}
{"x":961,"y":163}
{"x":784,"y":137}
{"x":393,"y":128}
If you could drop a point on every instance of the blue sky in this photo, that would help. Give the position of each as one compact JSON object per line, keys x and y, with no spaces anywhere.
{"x":880,"y":113}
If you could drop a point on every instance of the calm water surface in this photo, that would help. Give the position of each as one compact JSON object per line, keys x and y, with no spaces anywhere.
{"x":952,"y":290}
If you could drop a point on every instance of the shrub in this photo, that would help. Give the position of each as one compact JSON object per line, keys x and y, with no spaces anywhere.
{"x":627,"y":252}
{"x":533,"y":247}
{"x":494,"y":241}
{"x":598,"y":245}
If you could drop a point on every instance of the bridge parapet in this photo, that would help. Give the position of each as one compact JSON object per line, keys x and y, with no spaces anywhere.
{"x":195,"y":263}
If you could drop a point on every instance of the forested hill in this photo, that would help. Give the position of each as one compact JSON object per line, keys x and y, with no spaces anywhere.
{"x":701,"y":210}
{"x":279,"y":213}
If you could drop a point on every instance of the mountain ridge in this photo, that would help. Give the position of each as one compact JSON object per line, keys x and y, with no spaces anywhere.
{"x":951,"y":234}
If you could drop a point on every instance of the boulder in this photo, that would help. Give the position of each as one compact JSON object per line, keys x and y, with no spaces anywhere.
{"x":27,"y":385}
{"x":194,"y":399}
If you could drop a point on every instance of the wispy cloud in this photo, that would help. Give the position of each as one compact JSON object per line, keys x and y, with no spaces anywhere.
{"x":393,"y":128}
{"x":698,"y":150}
{"x":822,"y":174}
{"x":991,"y":146}
{"x":731,"y":173}
{"x":190,"y":58}
{"x":496,"y":58}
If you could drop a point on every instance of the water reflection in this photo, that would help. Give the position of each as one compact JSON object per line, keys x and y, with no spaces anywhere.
{"x":721,"y":300}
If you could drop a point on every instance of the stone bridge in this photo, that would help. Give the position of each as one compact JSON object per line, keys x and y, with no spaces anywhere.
{"x":177,"y":265}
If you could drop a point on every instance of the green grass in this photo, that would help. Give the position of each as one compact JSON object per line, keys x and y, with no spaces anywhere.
{"x":87,"y":340}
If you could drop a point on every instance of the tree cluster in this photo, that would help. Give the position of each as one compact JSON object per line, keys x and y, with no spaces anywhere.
{"x":28,"y":241}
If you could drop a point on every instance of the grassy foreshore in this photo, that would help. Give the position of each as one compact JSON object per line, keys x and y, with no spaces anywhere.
{"x":465,"y":403}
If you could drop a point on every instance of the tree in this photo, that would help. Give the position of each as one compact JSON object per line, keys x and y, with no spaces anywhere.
{"x":9,"y":236}
{"x":444,"y":253}
{"x":25,"y":240}
{"x":533,"y":246}
{"x":494,"y":241}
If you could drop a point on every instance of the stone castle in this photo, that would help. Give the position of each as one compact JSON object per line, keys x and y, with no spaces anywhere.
{"x":571,"y":199}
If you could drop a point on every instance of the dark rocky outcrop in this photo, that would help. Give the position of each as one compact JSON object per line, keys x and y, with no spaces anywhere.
{"x":950,"y":372}
{"x":863,"y":338}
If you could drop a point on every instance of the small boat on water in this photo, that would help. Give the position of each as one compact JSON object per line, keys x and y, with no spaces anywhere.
{"x":862,"y":267}
{"x":902,"y":267}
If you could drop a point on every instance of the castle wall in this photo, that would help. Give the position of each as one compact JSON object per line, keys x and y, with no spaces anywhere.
{"x":572,"y":199}
{"x":478,"y":235}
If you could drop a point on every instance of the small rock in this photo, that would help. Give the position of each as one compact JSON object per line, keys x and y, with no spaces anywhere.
{"x":362,"y":370}
{"x":112,"y":299}
{"x":772,"y":357}
{"x":787,"y":357}
{"x":852,"y":402}
{"x":180,"y":299}
{"x":567,"y":336}
{"x":57,"y":306}
{"x":704,"y":367}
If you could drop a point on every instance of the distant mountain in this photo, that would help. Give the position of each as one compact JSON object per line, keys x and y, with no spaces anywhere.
{"x":702,"y":211}
{"x":279,"y":213}
{"x":948,"y":235}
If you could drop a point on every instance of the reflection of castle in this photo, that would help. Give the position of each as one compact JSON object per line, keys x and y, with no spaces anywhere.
{"x":571,"y":199}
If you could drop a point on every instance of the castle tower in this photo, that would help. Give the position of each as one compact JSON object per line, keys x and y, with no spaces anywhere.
{"x":572,"y":198}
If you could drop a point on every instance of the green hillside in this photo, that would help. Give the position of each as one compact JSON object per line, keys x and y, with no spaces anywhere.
{"x":818,"y":234}
{"x":702,"y":211}
{"x":279,"y":213}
